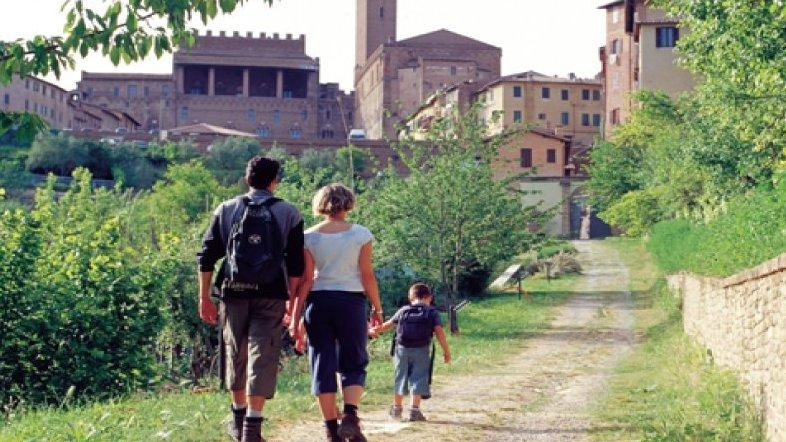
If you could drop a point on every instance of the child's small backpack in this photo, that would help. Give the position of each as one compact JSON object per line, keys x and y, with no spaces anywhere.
{"x":415,"y":326}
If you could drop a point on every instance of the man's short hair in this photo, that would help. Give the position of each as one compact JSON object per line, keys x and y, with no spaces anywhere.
{"x":261,"y":171}
{"x":419,"y":291}
{"x":333,"y":199}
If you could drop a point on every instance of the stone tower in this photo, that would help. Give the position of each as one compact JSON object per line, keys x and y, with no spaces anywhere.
{"x":376,"y":25}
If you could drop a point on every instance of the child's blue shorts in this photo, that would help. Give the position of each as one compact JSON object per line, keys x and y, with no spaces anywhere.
{"x":411,"y":370}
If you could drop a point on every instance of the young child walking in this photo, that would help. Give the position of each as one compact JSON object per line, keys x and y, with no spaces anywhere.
{"x":415,"y":325}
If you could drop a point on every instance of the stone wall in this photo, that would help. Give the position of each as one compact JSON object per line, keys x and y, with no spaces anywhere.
{"x":742,"y":321}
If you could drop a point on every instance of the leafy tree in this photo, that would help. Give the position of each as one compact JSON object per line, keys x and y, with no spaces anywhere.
{"x":738,"y":48}
{"x":449,"y":215}
{"x":227,"y":158}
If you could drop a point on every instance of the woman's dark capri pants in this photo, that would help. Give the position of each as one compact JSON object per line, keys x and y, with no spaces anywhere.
{"x":337,"y":337}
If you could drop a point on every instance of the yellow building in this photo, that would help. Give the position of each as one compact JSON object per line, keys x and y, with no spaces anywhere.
{"x":639,"y":54}
{"x":569,"y":107}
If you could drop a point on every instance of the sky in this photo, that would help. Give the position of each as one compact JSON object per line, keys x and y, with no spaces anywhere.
{"x":553,"y":37}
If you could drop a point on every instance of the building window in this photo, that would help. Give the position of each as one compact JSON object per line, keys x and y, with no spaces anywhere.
{"x":526,"y":157}
{"x":276,"y":116}
{"x":585,"y":94}
{"x":615,"y":15}
{"x":491,"y":94}
{"x":381,"y":12}
{"x":295,"y":132}
{"x":595,"y":95}
{"x":43,"y":90}
{"x":27,"y":84}
{"x":453,"y":71}
{"x":585,"y":119}
{"x":51,"y":113}
{"x":147,"y":91}
{"x":131,"y":91}
{"x":615,"y":116}
{"x":165,"y":91}
{"x":327,"y":133}
{"x":541,"y":116}
{"x":565,"y":118}
{"x":666,"y":36}
{"x":304,"y":115}
{"x":517,"y":116}
{"x":327,"y":114}
{"x":6,"y":99}
{"x":263,"y":131}
{"x":596,"y":120}
{"x":517,"y":91}
{"x":565,"y":95}
{"x":551,"y":155}
{"x":27,"y":105}
{"x":545,"y":93}
{"x":116,"y":92}
{"x":616,"y":46}
{"x":184,"y":113}
{"x":36,"y":86}
{"x":251,"y":115}
{"x":287,"y":94}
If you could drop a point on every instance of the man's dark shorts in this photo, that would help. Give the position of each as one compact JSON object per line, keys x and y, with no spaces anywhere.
{"x":252,"y":338}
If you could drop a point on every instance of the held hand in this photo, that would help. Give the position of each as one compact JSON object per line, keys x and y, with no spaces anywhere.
{"x":287,"y":315}
{"x":208,"y":311}
{"x":376,"y":319}
{"x":446,"y":356}
{"x":300,"y":339}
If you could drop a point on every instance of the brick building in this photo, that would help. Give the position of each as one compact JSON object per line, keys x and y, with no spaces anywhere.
{"x":393,"y":78}
{"x":639,"y":54}
{"x":263,"y":84}
{"x":31,"y":94}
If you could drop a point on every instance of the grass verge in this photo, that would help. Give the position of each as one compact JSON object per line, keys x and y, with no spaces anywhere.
{"x":491,"y":328}
{"x":668,"y":389}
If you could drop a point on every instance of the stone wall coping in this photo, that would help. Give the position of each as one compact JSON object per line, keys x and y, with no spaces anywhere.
{"x":766,"y":268}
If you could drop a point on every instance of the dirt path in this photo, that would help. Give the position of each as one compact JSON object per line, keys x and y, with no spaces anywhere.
{"x":544,"y":393}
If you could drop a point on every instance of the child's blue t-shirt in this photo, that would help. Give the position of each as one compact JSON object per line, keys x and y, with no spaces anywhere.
{"x":415,"y":325}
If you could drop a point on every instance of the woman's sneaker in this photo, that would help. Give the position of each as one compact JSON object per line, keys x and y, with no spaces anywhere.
{"x":415,"y":415}
{"x":349,"y":429}
{"x":396,"y":411}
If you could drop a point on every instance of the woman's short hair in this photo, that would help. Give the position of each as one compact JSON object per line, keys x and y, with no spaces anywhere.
{"x":419,"y":290}
{"x":333,"y":199}
{"x":261,"y":171}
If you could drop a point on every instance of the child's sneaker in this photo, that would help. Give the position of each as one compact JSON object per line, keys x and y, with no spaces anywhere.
{"x":396,"y":411}
{"x":415,"y":415}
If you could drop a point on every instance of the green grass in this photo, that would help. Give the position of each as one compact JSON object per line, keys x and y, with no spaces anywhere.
{"x":668,"y":389}
{"x":750,"y":231}
{"x":491,"y":329}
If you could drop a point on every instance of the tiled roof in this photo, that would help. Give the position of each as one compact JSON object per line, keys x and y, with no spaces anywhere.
{"x":610,"y":4}
{"x":443,"y":37}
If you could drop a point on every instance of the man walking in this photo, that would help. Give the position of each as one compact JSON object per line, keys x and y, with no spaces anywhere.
{"x":260,"y":238}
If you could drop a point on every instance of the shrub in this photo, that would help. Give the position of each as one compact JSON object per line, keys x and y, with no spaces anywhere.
{"x":83,"y":306}
{"x":635,"y":212}
{"x":752,"y":230}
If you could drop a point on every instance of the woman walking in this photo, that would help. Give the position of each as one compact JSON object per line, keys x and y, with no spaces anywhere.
{"x":337,"y":281}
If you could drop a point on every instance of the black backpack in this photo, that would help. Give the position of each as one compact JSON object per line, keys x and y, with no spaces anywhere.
{"x":255,"y":251}
{"x":415,"y":328}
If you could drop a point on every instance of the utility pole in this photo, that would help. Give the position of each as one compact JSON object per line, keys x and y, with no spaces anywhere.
{"x":349,"y":144}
